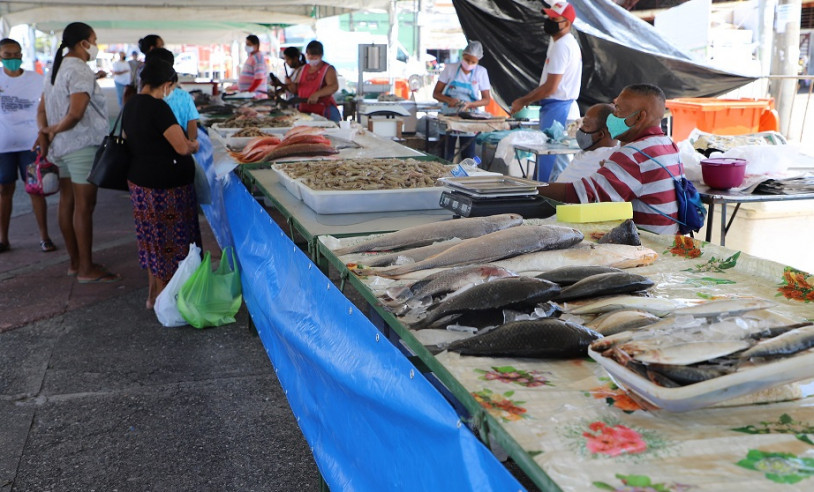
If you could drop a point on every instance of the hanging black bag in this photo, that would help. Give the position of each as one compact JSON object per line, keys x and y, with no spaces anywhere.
{"x":112,"y":161}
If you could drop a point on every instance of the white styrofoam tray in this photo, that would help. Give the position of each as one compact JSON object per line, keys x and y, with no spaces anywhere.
{"x":362,"y":201}
{"x":707,"y":393}
{"x":293,"y":186}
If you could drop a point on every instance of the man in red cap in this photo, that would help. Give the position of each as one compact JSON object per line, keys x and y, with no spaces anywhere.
{"x":560,"y":81}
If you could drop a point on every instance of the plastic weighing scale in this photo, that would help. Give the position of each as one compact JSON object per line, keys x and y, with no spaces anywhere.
{"x":479,"y":196}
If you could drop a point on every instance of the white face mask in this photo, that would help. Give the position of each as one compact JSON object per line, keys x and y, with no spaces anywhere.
{"x":249,"y":49}
{"x":314,"y":63}
{"x":93,"y":51}
{"x":167,"y":93}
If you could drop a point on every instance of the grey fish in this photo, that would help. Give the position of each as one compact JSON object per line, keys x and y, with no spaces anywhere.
{"x":788,"y":343}
{"x":408,"y":255}
{"x":625,"y":233}
{"x":540,"y":338}
{"x":505,"y":292}
{"x":775,"y":331}
{"x":495,"y":246}
{"x":618,"y":321}
{"x":572,"y":274}
{"x":605,"y":284}
{"x":688,"y":374}
{"x":721,"y":307}
{"x":449,"y":281}
{"x":437,"y":231}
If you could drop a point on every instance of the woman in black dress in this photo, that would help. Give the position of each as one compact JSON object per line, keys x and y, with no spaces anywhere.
{"x":160,"y":178}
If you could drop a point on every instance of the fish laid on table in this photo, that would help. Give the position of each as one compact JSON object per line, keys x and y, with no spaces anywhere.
{"x":500,"y":293}
{"x":540,"y":338}
{"x":495,"y":246}
{"x":684,"y":375}
{"x":605,"y":284}
{"x":583,"y":254}
{"x":625,"y":233}
{"x":408,"y":255}
{"x":788,"y":343}
{"x":572,"y":274}
{"x":655,"y":305}
{"x":450,"y":280}
{"x":682,"y":353}
{"x":618,"y":321}
{"x":437,"y":231}
{"x":724,"y":307}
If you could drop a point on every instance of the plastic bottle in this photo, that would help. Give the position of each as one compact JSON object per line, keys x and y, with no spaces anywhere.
{"x":467,"y":167}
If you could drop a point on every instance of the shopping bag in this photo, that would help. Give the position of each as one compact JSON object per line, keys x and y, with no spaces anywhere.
{"x":166,"y":304}
{"x":112,"y":161}
{"x":212,"y":298}
{"x":41,"y":177}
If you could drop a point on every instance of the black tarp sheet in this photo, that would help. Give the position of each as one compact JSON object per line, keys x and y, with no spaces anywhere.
{"x":618,"y":49}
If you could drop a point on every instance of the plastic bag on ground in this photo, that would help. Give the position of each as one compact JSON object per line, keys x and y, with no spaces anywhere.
{"x":212,"y":298}
{"x":166,"y":304}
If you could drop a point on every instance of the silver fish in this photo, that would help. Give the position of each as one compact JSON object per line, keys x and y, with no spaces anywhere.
{"x":788,"y":343}
{"x":605,"y":284}
{"x":724,"y":307}
{"x":683,"y":353}
{"x":408,"y":255}
{"x":584,"y":253}
{"x":449,"y":281}
{"x":494,"y":246}
{"x":684,"y":375}
{"x":572,"y":274}
{"x":540,"y":338}
{"x":437,"y":231}
{"x":505,"y":292}
{"x":656,"y":305}
{"x":619,"y":321}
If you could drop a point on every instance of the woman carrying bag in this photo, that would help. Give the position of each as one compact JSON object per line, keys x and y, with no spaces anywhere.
{"x":160,"y":178}
{"x":72,"y":117}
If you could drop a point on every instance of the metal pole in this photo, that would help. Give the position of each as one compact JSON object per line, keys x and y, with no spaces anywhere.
{"x":393,"y":43}
{"x":765,"y":39}
{"x":785,"y":58}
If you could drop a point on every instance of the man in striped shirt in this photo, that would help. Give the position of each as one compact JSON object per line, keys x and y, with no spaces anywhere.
{"x":636,"y":172}
{"x":254,"y":74}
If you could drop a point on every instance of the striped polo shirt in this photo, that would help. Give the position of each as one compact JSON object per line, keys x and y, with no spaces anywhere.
{"x":254,"y":68}
{"x":630,"y":176}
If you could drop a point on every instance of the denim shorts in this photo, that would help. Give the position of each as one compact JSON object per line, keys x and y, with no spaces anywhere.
{"x":76,"y":165}
{"x":13,"y":164}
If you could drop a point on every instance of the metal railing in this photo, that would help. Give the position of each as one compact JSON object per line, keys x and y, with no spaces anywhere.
{"x":789,"y":127}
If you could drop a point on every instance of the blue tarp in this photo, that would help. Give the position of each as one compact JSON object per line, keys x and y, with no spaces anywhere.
{"x":372,"y":420}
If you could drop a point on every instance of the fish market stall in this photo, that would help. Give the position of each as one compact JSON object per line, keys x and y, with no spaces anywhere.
{"x":715,"y":421}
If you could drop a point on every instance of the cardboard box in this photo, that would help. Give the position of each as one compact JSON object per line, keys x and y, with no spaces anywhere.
{"x":385,"y":127}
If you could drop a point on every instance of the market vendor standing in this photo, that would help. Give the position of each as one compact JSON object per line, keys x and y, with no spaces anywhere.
{"x":295,"y":60}
{"x":462,"y":87}
{"x":640,"y":171}
{"x":254,"y":75}
{"x":317,"y":84}
{"x":560,"y":81}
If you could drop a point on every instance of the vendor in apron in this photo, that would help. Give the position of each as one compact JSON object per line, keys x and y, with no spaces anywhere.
{"x":463,"y":86}
{"x":317,"y":83}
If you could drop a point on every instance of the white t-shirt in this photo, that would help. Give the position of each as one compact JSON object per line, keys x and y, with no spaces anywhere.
{"x":123,"y":78}
{"x":585,"y":164}
{"x":75,"y":76}
{"x":478,"y":77}
{"x":564,"y":57}
{"x":19,"y":98}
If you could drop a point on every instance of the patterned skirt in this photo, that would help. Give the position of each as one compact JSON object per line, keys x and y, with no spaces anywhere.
{"x":166,"y":222}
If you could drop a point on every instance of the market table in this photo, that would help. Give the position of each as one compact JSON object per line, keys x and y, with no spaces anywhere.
{"x":713,"y":197}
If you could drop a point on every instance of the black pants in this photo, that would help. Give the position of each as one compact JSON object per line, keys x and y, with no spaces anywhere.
{"x":467,"y":146}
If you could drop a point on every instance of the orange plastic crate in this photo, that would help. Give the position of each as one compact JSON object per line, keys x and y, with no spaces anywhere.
{"x":719,"y":116}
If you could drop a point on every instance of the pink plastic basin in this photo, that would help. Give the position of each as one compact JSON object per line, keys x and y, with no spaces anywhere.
{"x":723,"y":173}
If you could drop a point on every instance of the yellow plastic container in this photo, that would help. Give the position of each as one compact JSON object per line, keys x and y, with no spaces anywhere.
{"x":594,"y":212}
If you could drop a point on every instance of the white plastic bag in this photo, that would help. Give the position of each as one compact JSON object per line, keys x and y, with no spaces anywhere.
{"x":166,"y":308}
{"x":505,"y":149}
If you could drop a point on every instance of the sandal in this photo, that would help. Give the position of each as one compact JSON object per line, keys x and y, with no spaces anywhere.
{"x":46,"y":245}
{"x":4,"y":247}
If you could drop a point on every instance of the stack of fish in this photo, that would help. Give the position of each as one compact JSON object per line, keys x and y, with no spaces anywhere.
{"x":300,"y":140}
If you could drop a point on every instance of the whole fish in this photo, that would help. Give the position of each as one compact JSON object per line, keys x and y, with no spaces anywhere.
{"x":505,"y":292}
{"x":625,"y":233}
{"x":683,"y":353}
{"x":605,"y":284}
{"x":494,"y":246}
{"x":684,"y":375}
{"x":583,"y":254}
{"x":540,"y":338}
{"x":449,"y":281}
{"x":425,"y":234}
{"x":618,"y":321}
{"x":572,"y":274}
{"x":408,"y":255}
{"x":656,"y":305}
{"x":724,"y":307}
{"x":788,"y":343}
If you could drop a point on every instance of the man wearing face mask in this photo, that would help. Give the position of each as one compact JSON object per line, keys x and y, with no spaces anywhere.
{"x":254,"y":75}
{"x":560,"y":81}
{"x":595,"y":141}
{"x":640,"y":171}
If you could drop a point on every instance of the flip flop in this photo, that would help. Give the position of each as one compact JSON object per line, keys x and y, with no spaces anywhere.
{"x":105,"y":278}
{"x":47,"y":246}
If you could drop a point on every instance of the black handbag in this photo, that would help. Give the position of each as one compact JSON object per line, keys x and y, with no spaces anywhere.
{"x":112,"y":161}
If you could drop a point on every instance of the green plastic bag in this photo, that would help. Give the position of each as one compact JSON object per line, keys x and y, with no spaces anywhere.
{"x":210,"y":298}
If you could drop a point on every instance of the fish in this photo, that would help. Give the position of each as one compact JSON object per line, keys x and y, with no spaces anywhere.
{"x":425,"y":234}
{"x":774,"y":331}
{"x":583,"y":254}
{"x":788,"y":343}
{"x":684,"y":375}
{"x":605,"y":284}
{"x":572,"y":274}
{"x":540,"y":338}
{"x":408,"y":255}
{"x":495,"y":246}
{"x":724,"y":307}
{"x":625,"y":233}
{"x":309,"y":149}
{"x":618,"y":321}
{"x":656,"y":305}
{"x":501,"y":293}
{"x":449,"y":281}
{"x":683,"y":353}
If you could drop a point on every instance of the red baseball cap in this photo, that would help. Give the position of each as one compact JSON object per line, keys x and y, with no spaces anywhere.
{"x":561,"y":9}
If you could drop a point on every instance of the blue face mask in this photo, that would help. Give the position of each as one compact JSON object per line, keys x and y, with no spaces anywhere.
{"x":12,"y":64}
{"x":617,"y":126}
